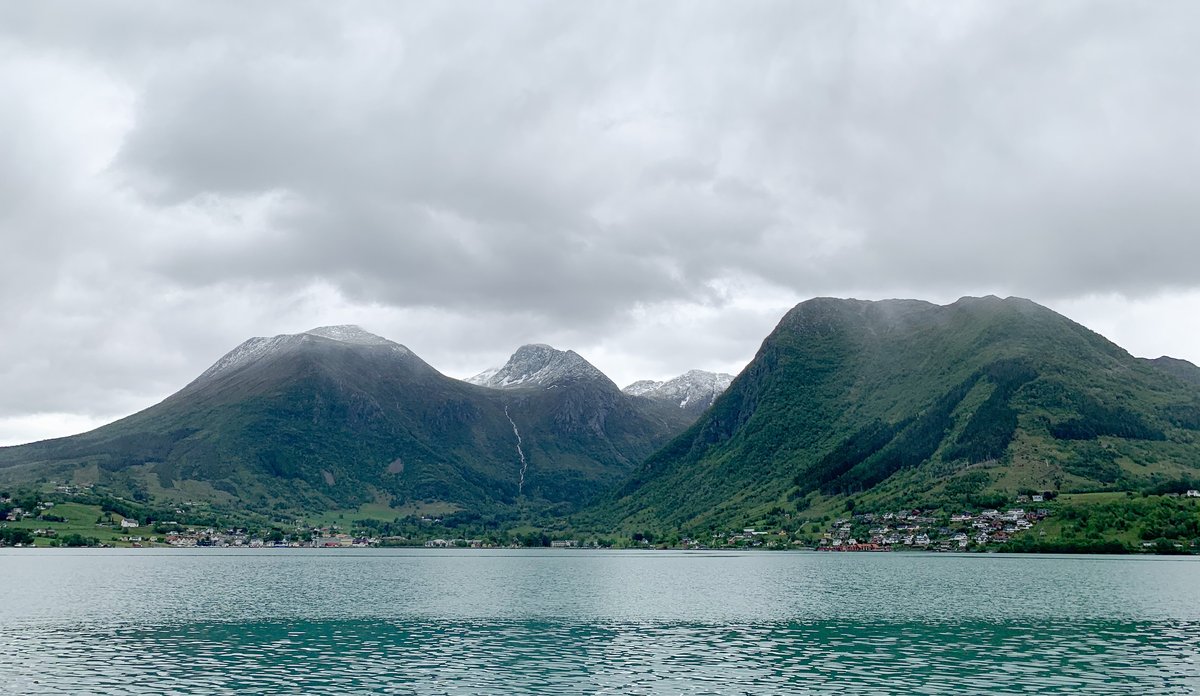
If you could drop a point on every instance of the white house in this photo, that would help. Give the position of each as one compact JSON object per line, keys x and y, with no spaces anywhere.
{"x":127,"y":523}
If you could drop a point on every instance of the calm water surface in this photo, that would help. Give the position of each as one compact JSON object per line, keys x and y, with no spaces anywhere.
{"x":292,"y":621}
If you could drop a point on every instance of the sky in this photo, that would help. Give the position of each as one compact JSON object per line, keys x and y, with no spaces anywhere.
{"x":651,"y":184}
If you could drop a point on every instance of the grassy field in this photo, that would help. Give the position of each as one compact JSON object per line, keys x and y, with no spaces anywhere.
{"x":81,"y":520}
{"x":381,"y":512}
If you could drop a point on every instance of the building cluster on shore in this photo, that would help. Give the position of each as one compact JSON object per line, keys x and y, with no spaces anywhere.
{"x":316,"y":537}
{"x":481,"y":544}
{"x":925,"y":530}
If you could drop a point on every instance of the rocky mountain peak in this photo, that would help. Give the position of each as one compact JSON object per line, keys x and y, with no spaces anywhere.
{"x":538,"y":365}
{"x":693,"y":389}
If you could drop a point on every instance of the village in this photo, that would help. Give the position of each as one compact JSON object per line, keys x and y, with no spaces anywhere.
{"x":915,"y":529}
{"x":40,"y":519}
{"x":907,"y":529}
{"x":317,"y":537}
{"x":901,"y":529}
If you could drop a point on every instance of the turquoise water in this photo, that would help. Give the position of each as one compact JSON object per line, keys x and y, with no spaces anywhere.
{"x":581,"y":622}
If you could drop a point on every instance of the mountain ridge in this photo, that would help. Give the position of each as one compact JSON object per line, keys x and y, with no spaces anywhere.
{"x":892,"y":402}
{"x":336,"y":416}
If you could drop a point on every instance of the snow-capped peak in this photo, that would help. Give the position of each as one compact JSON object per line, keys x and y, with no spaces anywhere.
{"x":538,"y":365}
{"x":249,"y":351}
{"x":348,"y":333}
{"x":261,"y":347}
{"x":694,"y":389}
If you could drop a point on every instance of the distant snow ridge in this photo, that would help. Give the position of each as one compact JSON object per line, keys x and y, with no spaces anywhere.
{"x":642,"y":387}
{"x":258,"y":348}
{"x":538,"y":365}
{"x":483,"y":378}
{"x":695,"y":387}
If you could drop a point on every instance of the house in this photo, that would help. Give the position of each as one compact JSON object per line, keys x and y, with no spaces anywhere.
{"x":127,"y":523}
{"x":1193,"y":493}
{"x":564,"y":544}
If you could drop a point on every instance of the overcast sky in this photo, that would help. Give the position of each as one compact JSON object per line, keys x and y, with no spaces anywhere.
{"x":650,"y":184}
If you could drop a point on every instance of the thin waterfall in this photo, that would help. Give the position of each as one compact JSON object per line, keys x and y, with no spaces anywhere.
{"x":520,"y":452}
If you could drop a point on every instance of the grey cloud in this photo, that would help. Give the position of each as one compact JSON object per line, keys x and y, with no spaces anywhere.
{"x":981,"y":150}
{"x":646,"y":151}
{"x":539,"y":170}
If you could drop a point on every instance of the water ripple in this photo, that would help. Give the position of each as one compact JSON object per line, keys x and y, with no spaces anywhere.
{"x":433,"y":657}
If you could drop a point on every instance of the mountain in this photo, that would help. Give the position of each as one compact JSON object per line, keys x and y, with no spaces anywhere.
{"x":692,"y":392}
{"x":904,"y":403}
{"x":336,"y":417}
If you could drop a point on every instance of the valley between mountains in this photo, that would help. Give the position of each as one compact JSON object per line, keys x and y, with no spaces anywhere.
{"x":851,"y":416}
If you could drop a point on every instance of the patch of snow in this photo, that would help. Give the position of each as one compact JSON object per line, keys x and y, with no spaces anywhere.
{"x":642,"y":387}
{"x":349,"y":333}
{"x":246,"y":353}
{"x":484,"y":377}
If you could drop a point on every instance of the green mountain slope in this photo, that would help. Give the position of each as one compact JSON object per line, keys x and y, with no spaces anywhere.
{"x":1175,"y":367}
{"x":907,"y":403}
{"x":337,"y":417}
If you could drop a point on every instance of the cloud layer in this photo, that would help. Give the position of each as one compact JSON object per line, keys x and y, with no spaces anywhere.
{"x":650,"y":184}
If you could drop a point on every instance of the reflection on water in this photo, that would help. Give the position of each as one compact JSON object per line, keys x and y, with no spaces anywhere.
{"x":582,"y":623}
